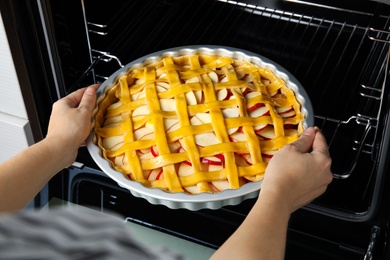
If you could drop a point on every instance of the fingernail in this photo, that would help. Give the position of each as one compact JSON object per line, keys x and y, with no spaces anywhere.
{"x":309,"y":131}
{"x":90,"y":91}
{"x":317,"y":129}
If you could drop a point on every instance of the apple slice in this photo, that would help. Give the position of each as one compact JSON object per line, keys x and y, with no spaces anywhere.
{"x":192,"y":189}
{"x":188,"y":163}
{"x":215,"y":167}
{"x":138,"y":95}
{"x":146,"y":156}
{"x":141,"y":111}
{"x":160,"y":89}
{"x":240,"y":160}
{"x":245,"y":91}
{"x":219,"y":185}
{"x":241,"y":75}
{"x":232,"y":112}
{"x":220,"y":156}
{"x":267,"y":133}
{"x":288,"y":114}
{"x":247,"y":78}
{"x":155,"y":174}
{"x":143,"y":133}
{"x":191,"y":98}
{"x":148,"y":125}
{"x":265,"y":81}
{"x":252,"y":94}
{"x":119,"y":160}
{"x":164,"y":85}
{"x":273,"y":93}
{"x":174,"y":146}
{"x":260,"y":127}
{"x":171,"y":124}
{"x":186,"y":170}
{"x":162,"y":76}
{"x":114,"y":105}
{"x":182,"y":145}
{"x":254,"y":107}
{"x":269,"y":154}
{"x":232,"y":130}
{"x":247,"y":158}
{"x":192,"y":80}
{"x":232,"y":97}
{"x":139,"y":81}
{"x":213,"y":76}
{"x":112,"y":121}
{"x":199,"y":96}
{"x":238,"y":137}
{"x":205,"y":118}
{"x":259,"y":111}
{"x":206,"y":139}
{"x":154,"y":150}
{"x":281,"y":110}
{"x":222,"y":94}
{"x":143,"y":151}
{"x":168,"y":104}
{"x":212,"y":160}
{"x":113,"y":142}
{"x":182,"y":150}
{"x":195,"y":121}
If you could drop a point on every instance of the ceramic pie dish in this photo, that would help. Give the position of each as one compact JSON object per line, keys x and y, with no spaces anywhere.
{"x":184,"y":127}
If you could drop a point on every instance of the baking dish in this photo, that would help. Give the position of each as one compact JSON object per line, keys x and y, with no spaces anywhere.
{"x":203,"y":200}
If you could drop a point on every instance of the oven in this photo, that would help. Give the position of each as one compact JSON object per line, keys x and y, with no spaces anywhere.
{"x":338,"y":51}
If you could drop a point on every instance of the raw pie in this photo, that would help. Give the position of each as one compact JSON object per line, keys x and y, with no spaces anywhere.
{"x":197,"y":123}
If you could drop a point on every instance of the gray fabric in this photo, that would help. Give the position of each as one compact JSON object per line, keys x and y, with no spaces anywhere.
{"x":71,"y":233}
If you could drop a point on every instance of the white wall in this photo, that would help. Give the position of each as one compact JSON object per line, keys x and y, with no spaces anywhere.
{"x":15,"y":129}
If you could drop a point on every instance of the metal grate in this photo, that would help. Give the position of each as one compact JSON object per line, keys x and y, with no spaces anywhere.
{"x":338,"y":57}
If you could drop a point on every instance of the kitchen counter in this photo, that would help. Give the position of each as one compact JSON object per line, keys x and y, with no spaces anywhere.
{"x":155,"y":238}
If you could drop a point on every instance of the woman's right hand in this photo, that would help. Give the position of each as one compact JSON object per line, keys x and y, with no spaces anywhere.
{"x":299,"y":172}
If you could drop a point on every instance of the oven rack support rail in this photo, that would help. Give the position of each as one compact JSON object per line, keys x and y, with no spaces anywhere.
{"x":98,"y":57}
{"x":370,"y":123}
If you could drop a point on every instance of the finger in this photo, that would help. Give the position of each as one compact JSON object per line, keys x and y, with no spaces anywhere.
{"x":89,"y":98}
{"x":319,"y":143}
{"x":305,"y":142}
{"x":73,"y":99}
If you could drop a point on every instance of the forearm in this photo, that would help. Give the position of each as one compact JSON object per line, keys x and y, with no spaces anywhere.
{"x":261,"y":236}
{"x":24,"y":175}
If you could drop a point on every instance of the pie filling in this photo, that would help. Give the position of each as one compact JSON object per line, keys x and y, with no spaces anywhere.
{"x":197,"y":123}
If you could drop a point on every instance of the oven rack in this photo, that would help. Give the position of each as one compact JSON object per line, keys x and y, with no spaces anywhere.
{"x":369,"y":123}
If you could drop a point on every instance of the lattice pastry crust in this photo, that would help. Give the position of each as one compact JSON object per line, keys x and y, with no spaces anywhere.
{"x":196,"y":123}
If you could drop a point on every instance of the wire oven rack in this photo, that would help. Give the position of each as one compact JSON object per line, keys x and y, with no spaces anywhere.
{"x":372,"y":105}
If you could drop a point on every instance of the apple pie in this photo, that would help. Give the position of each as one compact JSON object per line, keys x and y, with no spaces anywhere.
{"x":196,"y":123}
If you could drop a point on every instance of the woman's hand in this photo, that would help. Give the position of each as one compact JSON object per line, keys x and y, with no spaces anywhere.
{"x":300,"y":171}
{"x":296,"y":175}
{"x":70,"y":120}
{"x":24,"y":175}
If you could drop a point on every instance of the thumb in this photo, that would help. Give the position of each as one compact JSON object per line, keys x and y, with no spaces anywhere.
{"x":305,"y":142}
{"x":88,"y":99}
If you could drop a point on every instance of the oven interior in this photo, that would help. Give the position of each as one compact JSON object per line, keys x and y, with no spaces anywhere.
{"x":337,"y":50}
